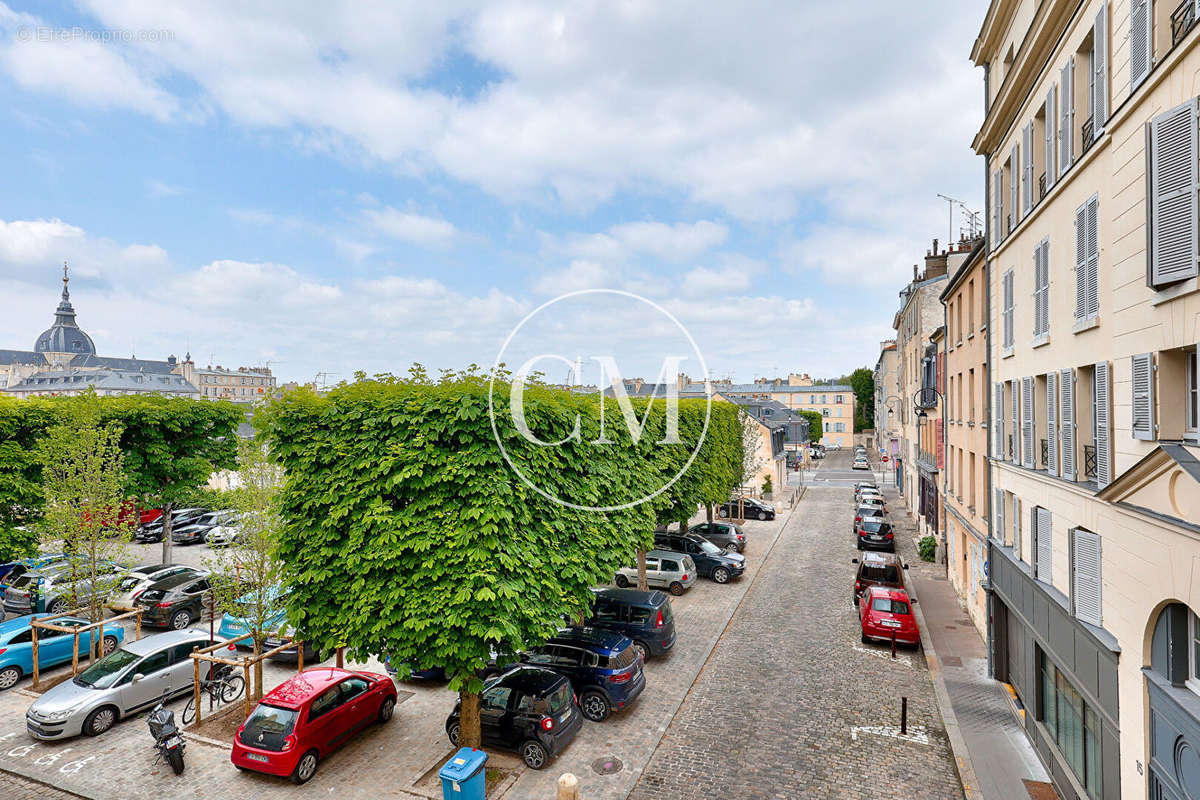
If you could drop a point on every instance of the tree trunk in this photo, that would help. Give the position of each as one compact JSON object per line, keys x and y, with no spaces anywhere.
{"x":708,"y":510}
{"x":258,"y":669}
{"x":641,"y":564}
{"x":166,"y":542}
{"x":469,"y":732}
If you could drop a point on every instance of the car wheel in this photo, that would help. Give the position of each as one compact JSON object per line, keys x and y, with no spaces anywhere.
{"x":762,"y":514}
{"x":181,"y":619}
{"x":732,"y":548}
{"x":306,"y":767}
{"x":676,"y":588}
{"x":452,"y":733}
{"x":720,"y":575}
{"x":594,"y":706}
{"x":641,"y":649}
{"x":534,"y":754}
{"x":9,"y":677}
{"x":108,"y":644}
{"x":58,"y":606}
{"x":865,"y":640}
{"x":622,"y":581}
{"x":100,"y":720}
{"x":386,"y":709}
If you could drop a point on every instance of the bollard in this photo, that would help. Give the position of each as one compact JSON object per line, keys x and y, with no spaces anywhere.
{"x":893,"y":644}
{"x":903,"y":715}
{"x":568,"y":787}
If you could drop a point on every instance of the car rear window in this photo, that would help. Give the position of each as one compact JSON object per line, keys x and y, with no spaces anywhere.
{"x":622,"y":659}
{"x":889,"y":606}
{"x":267,"y":727}
{"x":873,"y":525}
{"x":22,"y":580}
{"x":560,"y":698}
{"x":882,"y":574}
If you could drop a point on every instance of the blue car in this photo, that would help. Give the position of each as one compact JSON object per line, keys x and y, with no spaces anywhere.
{"x":604,"y":668}
{"x":15,"y":569}
{"x":54,"y":648}
{"x":234,"y":626}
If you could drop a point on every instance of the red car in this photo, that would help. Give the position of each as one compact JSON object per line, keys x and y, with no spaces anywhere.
{"x":307,"y":717}
{"x":884,"y":612}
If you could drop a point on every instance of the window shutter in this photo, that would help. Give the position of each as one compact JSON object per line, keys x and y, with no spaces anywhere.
{"x":1016,"y":526}
{"x":1085,"y":576}
{"x":1081,"y":262}
{"x":1016,"y":422}
{"x":1051,"y":111}
{"x":1091,"y":277}
{"x":1173,"y":194}
{"x":1043,"y":533}
{"x":1066,"y":422}
{"x":1101,"y":386}
{"x":1052,"y":423}
{"x":1066,"y":116}
{"x":1014,"y":205}
{"x":1100,"y":71}
{"x":1008,"y":308}
{"x":997,"y":208}
{"x":939,"y":442}
{"x":1143,"y":396}
{"x":1027,"y":459}
{"x":1027,"y":168}
{"x":998,"y":422}
{"x":1139,"y":42}
{"x":1041,"y":289}
{"x":998,"y":516}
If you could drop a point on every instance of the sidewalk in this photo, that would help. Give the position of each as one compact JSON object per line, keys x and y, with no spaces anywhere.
{"x":996,"y":760}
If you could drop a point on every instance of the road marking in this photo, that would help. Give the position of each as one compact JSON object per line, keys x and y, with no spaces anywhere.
{"x":886,"y":655}
{"x":916,"y":733}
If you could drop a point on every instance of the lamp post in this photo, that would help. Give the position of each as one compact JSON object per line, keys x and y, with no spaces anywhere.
{"x":889,"y":403}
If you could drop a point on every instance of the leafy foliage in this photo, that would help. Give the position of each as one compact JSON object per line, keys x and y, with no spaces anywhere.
{"x":862,"y":380}
{"x":816,"y":424}
{"x":927,"y":548}
{"x":22,"y":424}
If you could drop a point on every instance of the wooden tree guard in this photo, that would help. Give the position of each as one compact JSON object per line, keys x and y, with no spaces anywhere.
{"x":245,"y":662}
{"x":41,"y":623}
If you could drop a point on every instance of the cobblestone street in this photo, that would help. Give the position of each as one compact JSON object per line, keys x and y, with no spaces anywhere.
{"x":772,"y":714}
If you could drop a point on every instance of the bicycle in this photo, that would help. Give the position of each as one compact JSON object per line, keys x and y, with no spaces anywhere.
{"x":223,"y":688}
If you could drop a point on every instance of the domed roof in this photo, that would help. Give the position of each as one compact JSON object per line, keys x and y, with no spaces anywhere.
{"x":64,"y":336}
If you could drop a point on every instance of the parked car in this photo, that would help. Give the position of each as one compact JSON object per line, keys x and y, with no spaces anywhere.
{"x":872,"y":501}
{"x":877,"y":569}
{"x":303,"y":720}
{"x":884,"y":613}
{"x":141,"y":578}
{"x":604,"y":668}
{"x":224,"y":534}
{"x":645,"y":617}
{"x":528,"y":709}
{"x":174,"y":602}
{"x":860,"y":463}
{"x":54,"y":647}
{"x":675,"y":572}
{"x":861,"y":485}
{"x":815,"y":453}
{"x":12,"y":570}
{"x":132,"y":678}
{"x":726,"y":535}
{"x":834,"y":446}
{"x":281,"y":632}
{"x":874,"y":534}
{"x":152,"y":531}
{"x":57,"y":587}
{"x":238,"y":624}
{"x":863,"y":513}
{"x":194,"y":531}
{"x":751,"y":507}
{"x":711,"y":561}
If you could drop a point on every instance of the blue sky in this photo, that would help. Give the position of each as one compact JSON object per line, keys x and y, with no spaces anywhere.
{"x":350,"y":186}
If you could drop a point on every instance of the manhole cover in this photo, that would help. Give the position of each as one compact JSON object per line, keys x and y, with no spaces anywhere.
{"x":951,"y":627}
{"x":607,"y":766}
{"x":951,"y":661}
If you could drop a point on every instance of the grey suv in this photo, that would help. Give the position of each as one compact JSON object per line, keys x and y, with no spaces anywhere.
{"x":725,"y":535}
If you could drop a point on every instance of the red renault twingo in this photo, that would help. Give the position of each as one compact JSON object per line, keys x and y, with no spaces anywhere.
{"x":307,"y":717}
{"x":885,"y":612}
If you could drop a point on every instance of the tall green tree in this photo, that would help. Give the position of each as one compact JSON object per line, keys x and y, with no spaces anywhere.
{"x":862,"y":380}
{"x":816,"y":424}
{"x":22,"y":424}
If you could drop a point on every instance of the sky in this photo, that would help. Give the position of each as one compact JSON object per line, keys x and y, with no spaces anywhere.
{"x":331,"y":187}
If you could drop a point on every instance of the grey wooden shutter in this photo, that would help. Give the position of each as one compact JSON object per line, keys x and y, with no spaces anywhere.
{"x":1066,"y":116}
{"x":1066,"y":422}
{"x":997,"y":208}
{"x":1014,"y":173}
{"x":1173,"y":194}
{"x":1016,"y":526}
{"x":998,"y":516}
{"x":1052,"y":423}
{"x":1100,"y":71}
{"x":998,"y":422}
{"x":1016,"y":421}
{"x":1043,"y":533}
{"x":1027,"y":169}
{"x":1102,"y":387}
{"x":1081,"y":262}
{"x":1139,"y":42}
{"x":1008,"y":308}
{"x":1027,"y":455}
{"x":1041,"y":288}
{"x":1051,"y":112}
{"x":1091,"y":275}
{"x":1085,"y":576}
{"x":1143,"y":396}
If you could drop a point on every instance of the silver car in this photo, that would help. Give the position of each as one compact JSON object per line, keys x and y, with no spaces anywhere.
{"x":675,"y":572}
{"x":140,"y":579}
{"x":132,"y":678}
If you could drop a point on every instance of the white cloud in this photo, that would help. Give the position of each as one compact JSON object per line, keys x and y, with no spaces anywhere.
{"x":408,"y":227}
{"x":579,"y":275}
{"x":160,"y":189}
{"x":26,"y":242}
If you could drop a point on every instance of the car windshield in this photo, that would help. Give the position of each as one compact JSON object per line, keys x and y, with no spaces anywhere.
{"x":622,"y":659}
{"x":889,"y":606}
{"x":887,"y":573}
{"x":104,"y":672}
{"x":560,"y":698}
{"x":267,"y":727}
{"x":708,"y":547}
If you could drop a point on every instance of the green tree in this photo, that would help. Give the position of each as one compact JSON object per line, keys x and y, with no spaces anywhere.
{"x":816,"y":424}
{"x":22,"y":424}
{"x":862,"y":380}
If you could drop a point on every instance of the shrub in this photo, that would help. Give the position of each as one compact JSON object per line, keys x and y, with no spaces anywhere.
{"x":927,"y":548}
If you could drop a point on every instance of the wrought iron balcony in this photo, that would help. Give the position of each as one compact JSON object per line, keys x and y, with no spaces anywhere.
{"x":1087,"y":134}
{"x":1041,"y":186}
{"x":1182,"y":19}
{"x":1089,"y":461}
{"x":1045,"y":452}
{"x":927,"y":397}
{"x":1011,"y":452}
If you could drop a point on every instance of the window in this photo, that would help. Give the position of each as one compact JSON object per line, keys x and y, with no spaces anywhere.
{"x":152,"y":664}
{"x":1007,"y":310}
{"x":838,"y":399}
{"x":998,"y":516}
{"x":970,"y":396}
{"x":971,"y":496}
{"x":1192,"y":396}
{"x":999,"y":446}
{"x":1141,"y":48}
{"x":1043,"y":544}
{"x":1041,"y":290}
{"x":1172,"y":210}
{"x":1072,"y":724}
{"x":495,"y":699}
{"x":1085,"y":576}
{"x":839,"y":427}
{"x":1029,"y":458}
{"x":1066,"y":116}
{"x":352,"y":688}
{"x":1087,"y":260}
{"x":997,"y":207}
{"x":824,"y":412}
{"x":1066,"y":422}
{"x":1193,"y":651}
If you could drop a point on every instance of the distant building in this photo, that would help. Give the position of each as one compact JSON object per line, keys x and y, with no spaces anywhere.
{"x":241,"y":385}
{"x":834,"y":402}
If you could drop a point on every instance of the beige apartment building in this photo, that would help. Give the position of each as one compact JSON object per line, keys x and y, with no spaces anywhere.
{"x":965,"y":493}
{"x":241,"y":385}
{"x":834,"y":402}
{"x":1092,"y":149}
{"x":887,"y":399}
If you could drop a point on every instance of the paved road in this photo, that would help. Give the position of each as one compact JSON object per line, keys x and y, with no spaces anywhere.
{"x":772,"y":713}
{"x":14,"y":787}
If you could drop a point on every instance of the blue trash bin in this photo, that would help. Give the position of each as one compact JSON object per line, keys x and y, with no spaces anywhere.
{"x":463,"y":776}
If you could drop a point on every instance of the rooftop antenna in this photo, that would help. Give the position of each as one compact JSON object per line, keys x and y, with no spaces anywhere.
{"x":950,"y":201}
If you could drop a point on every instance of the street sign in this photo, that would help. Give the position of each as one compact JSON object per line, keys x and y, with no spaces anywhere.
{"x":885,"y":459}
{"x":985,"y":569}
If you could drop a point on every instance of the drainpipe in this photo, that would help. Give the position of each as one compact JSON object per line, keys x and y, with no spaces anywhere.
{"x":989,"y":391}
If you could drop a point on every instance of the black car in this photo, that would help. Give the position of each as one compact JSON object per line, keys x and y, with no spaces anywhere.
{"x":645,"y":617}
{"x":192,"y":532}
{"x":725,"y":535}
{"x":174,"y":602}
{"x":528,"y":709}
{"x":711,"y":561}
{"x":604,"y":668}
{"x":874,"y":534}
{"x":751,"y":508}
{"x":153,"y":531}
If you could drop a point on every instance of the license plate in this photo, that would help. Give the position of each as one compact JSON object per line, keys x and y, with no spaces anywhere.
{"x":174,"y":742}
{"x":891,"y":623}
{"x":257,"y":757}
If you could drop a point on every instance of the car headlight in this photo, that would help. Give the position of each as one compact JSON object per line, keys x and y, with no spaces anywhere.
{"x":58,"y":716}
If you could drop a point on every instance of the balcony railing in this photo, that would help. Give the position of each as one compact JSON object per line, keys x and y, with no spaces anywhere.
{"x":1087,"y":134}
{"x":1041,"y":186}
{"x":1182,"y":19}
{"x":1045,"y":452}
{"x":1089,"y":461}
{"x":1011,"y":453}
{"x":927,"y":397}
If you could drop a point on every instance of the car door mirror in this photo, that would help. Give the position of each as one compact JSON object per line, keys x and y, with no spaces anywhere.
{"x":906,"y":566}
{"x":855,"y":561}
{"x":137,"y":678}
